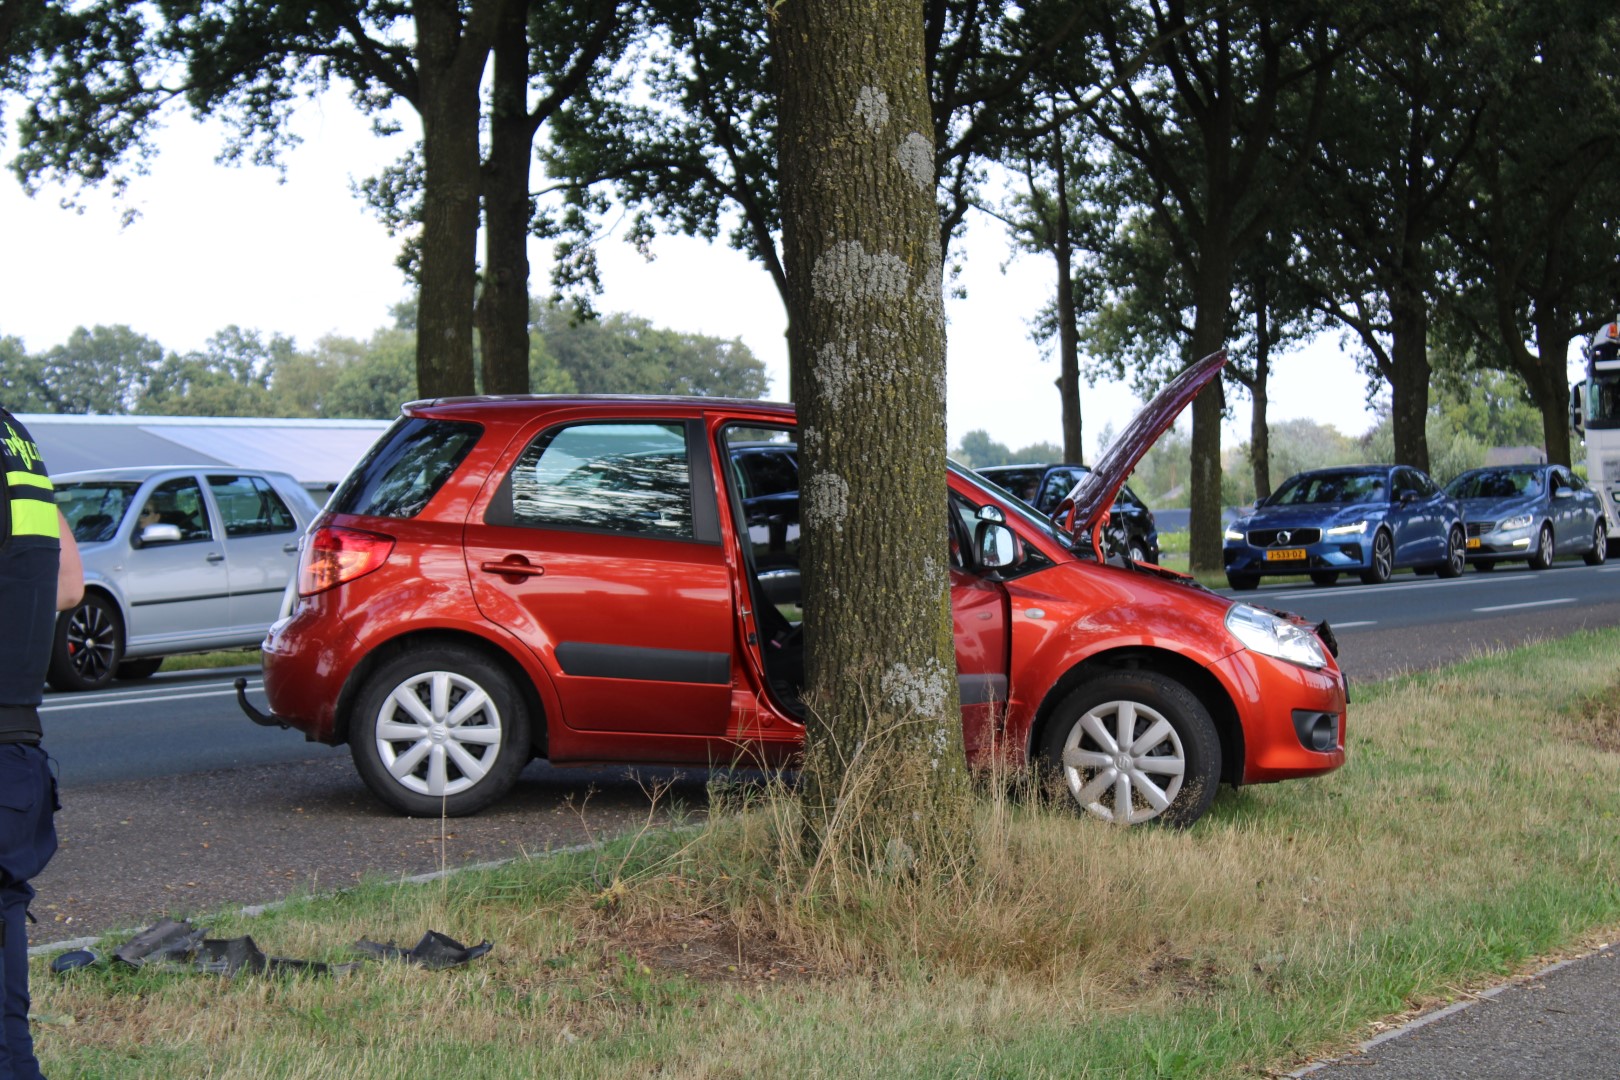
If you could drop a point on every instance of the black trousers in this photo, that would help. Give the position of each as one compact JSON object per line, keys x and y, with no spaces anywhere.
{"x":27,"y":842}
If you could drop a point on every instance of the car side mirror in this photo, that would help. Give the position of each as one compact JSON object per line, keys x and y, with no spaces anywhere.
{"x":995,"y":546}
{"x":159,"y":534}
{"x":1408,"y":495}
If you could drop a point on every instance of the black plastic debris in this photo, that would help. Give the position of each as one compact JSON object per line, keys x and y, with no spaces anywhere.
{"x":73,"y":960}
{"x":167,"y":940}
{"x":435,"y":951}
{"x":228,"y":956}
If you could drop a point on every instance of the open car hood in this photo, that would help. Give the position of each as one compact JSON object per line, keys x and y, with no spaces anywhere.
{"x":1095,"y":492}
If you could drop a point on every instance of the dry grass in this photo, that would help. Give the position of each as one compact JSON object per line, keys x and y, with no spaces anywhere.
{"x":1473,"y":831}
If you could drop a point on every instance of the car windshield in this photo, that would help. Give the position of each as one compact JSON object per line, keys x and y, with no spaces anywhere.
{"x":94,"y":508}
{"x":1495,"y":484}
{"x":1331,"y":487}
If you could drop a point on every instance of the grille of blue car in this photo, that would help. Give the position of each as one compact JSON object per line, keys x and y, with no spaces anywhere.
{"x":1275,"y":537}
{"x":1480,"y":528}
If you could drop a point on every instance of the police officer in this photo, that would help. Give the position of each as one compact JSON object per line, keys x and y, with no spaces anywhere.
{"x":40,"y":574}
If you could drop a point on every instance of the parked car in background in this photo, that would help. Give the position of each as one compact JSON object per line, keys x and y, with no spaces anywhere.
{"x":1369,"y":520}
{"x":577,"y":578}
{"x":1044,"y":487}
{"x":1530,"y":512}
{"x":176,"y":560}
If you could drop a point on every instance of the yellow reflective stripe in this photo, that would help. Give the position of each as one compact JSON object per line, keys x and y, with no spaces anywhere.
{"x":31,"y":479}
{"x":30,"y":517}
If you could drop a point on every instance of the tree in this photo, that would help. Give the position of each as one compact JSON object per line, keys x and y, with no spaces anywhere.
{"x":626,"y":354}
{"x":229,"y":377}
{"x":22,"y":379}
{"x":1196,"y":142}
{"x":115,"y":69}
{"x":103,"y":370}
{"x":861,"y":247}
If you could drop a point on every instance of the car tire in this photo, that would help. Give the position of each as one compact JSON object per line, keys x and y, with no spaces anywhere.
{"x":1150,"y":723}
{"x":1243,"y":582}
{"x":1324,"y":578}
{"x":144,"y":668}
{"x":1456,"y":555}
{"x":1600,"y":545}
{"x":439,"y":731}
{"x":89,"y":645}
{"x":1542,"y":557}
{"x":1139,"y":553}
{"x":1383,"y":560}
{"x":1485,"y":565}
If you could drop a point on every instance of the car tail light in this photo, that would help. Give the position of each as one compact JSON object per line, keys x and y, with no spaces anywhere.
{"x":334,"y":555}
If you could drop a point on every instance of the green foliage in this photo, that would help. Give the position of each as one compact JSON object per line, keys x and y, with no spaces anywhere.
{"x":626,"y":354}
{"x":102,"y":371}
{"x":978,"y":450}
{"x":22,"y":379}
{"x":1296,"y":445}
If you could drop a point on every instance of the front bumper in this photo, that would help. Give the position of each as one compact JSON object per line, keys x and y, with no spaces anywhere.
{"x":1345,"y":556}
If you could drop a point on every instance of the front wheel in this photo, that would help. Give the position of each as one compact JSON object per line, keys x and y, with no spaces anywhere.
{"x":89,"y":645}
{"x":1243,"y":582}
{"x":1135,"y":746}
{"x":1600,"y":545}
{"x":1456,"y":555}
{"x":1383,"y":560}
{"x":1542,"y":557}
{"x":143,"y":668}
{"x":1324,"y":578}
{"x":439,"y":731}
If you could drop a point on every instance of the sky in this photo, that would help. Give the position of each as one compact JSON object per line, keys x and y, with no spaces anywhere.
{"x":216,"y":246}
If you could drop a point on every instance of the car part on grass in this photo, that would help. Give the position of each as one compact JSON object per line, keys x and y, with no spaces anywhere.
{"x":434,"y":952}
{"x":177,"y":945}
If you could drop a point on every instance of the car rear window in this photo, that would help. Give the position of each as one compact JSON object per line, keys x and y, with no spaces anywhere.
{"x":406,"y":467}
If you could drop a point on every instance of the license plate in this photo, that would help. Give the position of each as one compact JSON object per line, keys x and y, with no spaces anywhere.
{"x":1473,"y":542}
{"x":1286,"y":555}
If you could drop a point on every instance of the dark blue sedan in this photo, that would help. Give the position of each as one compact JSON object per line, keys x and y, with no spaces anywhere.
{"x":1529,"y":512}
{"x":1369,"y":520}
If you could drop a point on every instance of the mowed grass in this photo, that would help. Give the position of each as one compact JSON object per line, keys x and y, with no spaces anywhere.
{"x":1475,"y":833}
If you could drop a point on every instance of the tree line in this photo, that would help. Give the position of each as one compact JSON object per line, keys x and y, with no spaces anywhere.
{"x":1428,"y":173}
{"x":113,"y":370}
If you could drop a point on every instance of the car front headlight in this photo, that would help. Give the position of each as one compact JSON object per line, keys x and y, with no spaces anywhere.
{"x":1232,"y":534}
{"x":1517,"y":521}
{"x":1270,"y":635}
{"x":1355,"y":529}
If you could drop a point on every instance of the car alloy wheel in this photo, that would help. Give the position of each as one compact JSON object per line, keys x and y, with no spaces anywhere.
{"x":1135,"y":746}
{"x":1383,"y":560}
{"x":439,"y":731}
{"x":1456,"y":555}
{"x":1542,"y":557}
{"x":89,"y":645}
{"x":1600,"y":545}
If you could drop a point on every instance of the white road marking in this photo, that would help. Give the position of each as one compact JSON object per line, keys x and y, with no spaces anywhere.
{"x":106,"y":700}
{"x":1533,"y":603}
{"x":1337,"y":626}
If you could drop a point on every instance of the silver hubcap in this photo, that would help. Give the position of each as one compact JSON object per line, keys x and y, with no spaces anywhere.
{"x":1383,"y":557}
{"x":1124,"y":762}
{"x":90,"y":642}
{"x":438,"y":733}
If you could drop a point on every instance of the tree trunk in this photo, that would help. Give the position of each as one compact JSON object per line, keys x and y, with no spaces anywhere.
{"x":1259,"y":428}
{"x":884,"y":778}
{"x":1068,"y":333}
{"x":503,"y":303}
{"x":1409,"y":377}
{"x":450,"y":64}
{"x":1213,"y":291}
{"x":1546,"y":377}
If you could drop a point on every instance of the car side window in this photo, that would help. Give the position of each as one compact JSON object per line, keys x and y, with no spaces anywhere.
{"x":250,"y":506}
{"x":618,"y":477}
{"x":177,"y":502}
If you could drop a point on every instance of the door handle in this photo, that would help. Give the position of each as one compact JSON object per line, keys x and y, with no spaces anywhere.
{"x":214,"y":556}
{"x":290,"y":549}
{"x":514,"y":568}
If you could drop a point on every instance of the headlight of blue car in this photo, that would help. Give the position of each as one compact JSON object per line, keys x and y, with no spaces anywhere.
{"x":1517,"y":521}
{"x":1269,"y":635}
{"x":1355,"y":529}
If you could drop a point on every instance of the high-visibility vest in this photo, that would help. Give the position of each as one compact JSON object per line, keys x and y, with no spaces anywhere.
{"x":30,"y":499}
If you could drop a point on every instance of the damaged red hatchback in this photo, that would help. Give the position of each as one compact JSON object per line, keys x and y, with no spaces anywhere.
{"x":592,"y":579}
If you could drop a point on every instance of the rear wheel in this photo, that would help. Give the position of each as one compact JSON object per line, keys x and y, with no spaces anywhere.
{"x":439,"y":731}
{"x":89,"y":645}
{"x":1600,"y":545}
{"x":1135,"y":746}
{"x":143,"y":668}
{"x":1456,"y":555}
{"x":1542,"y":557}
{"x":1383,"y":560}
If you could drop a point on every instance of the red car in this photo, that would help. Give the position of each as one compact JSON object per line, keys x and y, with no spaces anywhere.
{"x":574,"y":578}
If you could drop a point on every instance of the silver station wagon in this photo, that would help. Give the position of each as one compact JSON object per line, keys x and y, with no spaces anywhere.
{"x":176,"y":559}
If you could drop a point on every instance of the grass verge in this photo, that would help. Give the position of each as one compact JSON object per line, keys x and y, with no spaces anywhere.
{"x":1473,"y":832}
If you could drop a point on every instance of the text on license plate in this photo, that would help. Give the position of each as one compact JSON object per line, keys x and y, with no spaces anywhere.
{"x":1473,"y":542}
{"x":1285,"y":555}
